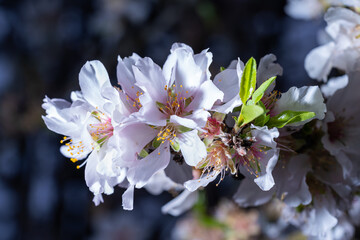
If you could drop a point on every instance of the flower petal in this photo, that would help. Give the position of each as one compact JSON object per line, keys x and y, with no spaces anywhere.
{"x":193,"y":185}
{"x":192,"y":148}
{"x":181,"y":203}
{"x":128,"y":198}
{"x":249,"y":195}
{"x":142,"y":170}
{"x":318,"y":62}
{"x":92,"y":77}
{"x":302,"y":99}
{"x":267,"y":69}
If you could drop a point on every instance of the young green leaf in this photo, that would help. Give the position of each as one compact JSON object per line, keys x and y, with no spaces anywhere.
{"x":250,"y":113}
{"x":288,"y":117}
{"x":183,"y":129}
{"x":261,"y":120}
{"x":259,"y":93}
{"x":248,"y":80}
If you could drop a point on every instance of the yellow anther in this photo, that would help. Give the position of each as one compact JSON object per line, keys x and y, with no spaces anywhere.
{"x":181,"y":86}
{"x":158,"y":153}
{"x":77,"y":166}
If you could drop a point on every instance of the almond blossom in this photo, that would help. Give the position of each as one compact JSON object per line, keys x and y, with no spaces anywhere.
{"x":174,"y":106}
{"x":88,"y":127}
{"x":343,"y":49}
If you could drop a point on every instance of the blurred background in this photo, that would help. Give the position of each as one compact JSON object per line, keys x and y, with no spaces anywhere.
{"x":43,"y":45}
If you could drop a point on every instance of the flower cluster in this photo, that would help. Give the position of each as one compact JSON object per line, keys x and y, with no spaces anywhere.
{"x":319,"y":179}
{"x":178,"y":128}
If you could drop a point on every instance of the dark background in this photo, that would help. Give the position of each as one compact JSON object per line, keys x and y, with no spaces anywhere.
{"x":43,"y":45}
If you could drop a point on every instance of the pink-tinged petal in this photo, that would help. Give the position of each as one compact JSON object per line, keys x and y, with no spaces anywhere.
{"x":142,"y":170}
{"x":192,"y":148}
{"x":125,"y":74}
{"x":128,"y":198}
{"x":193,"y":185}
{"x":133,"y":138}
{"x":181,"y":203}
{"x":318,"y":62}
{"x":150,"y":79}
{"x":302,"y":99}
{"x":92,"y":77}
{"x":267,"y":69}
{"x":205,"y":97}
{"x":249,"y":195}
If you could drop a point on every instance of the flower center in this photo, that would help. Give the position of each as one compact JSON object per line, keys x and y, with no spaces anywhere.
{"x":218,"y":160}
{"x":135,"y":103}
{"x":102,"y":131}
{"x":270,"y":100}
{"x":248,"y":154}
{"x":176,"y":102}
{"x":167,"y":132}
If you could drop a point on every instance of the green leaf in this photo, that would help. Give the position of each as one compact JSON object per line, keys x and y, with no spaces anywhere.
{"x":156,"y":143}
{"x":143,"y":153}
{"x":250,"y":113}
{"x":261,"y":120}
{"x":237,"y":109}
{"x":222,"y":69}
{"x":183,"y":129}
{"x":288,"y":117}
{"x":175,"y":145}
{"x":259,"y":93}
{"x":248,"y":80}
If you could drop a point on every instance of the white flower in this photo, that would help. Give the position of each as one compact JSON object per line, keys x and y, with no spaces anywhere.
{"x":174,"y":106}
{"x":341,"y":127}
{"x":344,"y":30}
{"x":290,"y":185}
{"x":315,"y":221}
{"x":88,"y":126}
